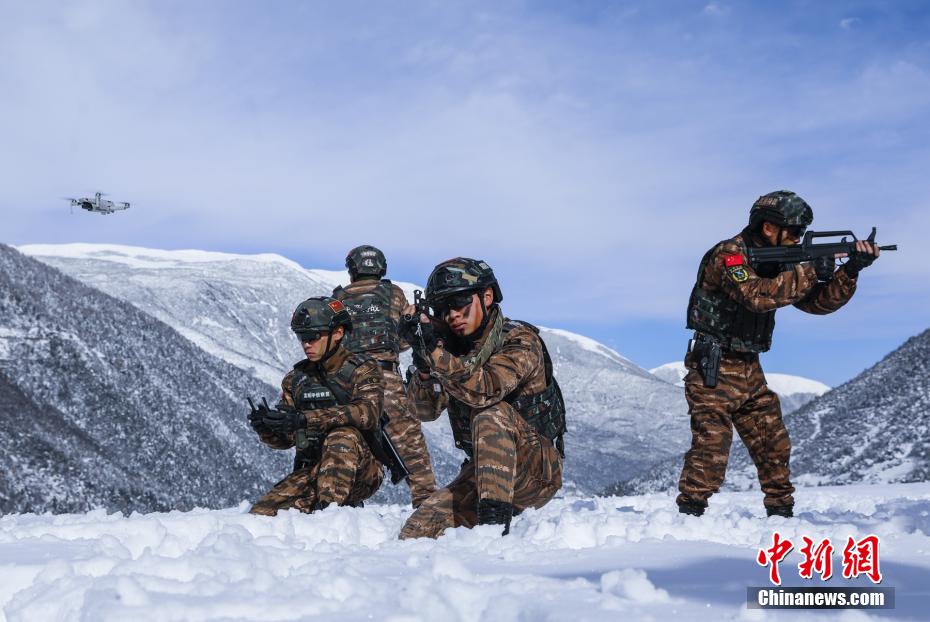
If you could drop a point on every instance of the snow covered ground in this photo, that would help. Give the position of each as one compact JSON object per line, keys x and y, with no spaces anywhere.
{"x":615,"y":558}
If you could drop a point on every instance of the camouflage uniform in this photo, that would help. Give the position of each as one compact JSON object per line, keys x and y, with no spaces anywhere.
{"x":508,"y":459}
{"x":367,"y":299}
{"x":345,"y":471}
{"x":728,"y":285}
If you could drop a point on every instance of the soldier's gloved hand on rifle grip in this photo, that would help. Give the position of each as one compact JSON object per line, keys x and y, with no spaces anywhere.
{"x":284,"y":421}
{"x":824,"y":267}
{"x":257,"y":419}
{"x":430,"y":337}
{"x":857,"y":261}
{"x":420,"y":361}
{"x":257,"y":416}
{"x":408,"y":328}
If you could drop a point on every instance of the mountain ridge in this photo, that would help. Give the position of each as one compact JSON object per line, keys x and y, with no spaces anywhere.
{"x":621,"y":418}
{"x":100,"y":410}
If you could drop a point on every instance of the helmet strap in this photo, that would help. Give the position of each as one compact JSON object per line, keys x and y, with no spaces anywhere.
{"x":329,"y":349}
{"x":485,"y":316}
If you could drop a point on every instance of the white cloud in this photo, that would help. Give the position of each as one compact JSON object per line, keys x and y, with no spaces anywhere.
{"x":599,"y":154}
{"x":848,"y":23}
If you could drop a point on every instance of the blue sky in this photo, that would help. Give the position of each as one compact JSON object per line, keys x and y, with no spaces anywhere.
{"x":589,"y":151}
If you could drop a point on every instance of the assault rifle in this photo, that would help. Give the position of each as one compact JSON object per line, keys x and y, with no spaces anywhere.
{"x":411,"y":326}
{"x":422,"y":306}
{"x":309,"y":446}
{"x":391,"y":459}
{"x":808,"y":251}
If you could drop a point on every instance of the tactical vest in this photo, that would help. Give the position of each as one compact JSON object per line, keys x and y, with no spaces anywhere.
{"x":310,"y":392}
{"x":372,"y":325}
{"x":714,"y":313}
{"x":544,"y":411}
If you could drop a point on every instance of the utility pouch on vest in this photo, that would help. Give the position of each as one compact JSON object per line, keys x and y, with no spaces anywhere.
{"x":309,"y":450}
{"x":706,"y":352}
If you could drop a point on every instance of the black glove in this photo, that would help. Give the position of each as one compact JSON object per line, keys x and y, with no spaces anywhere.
{"x":824,"y":267}
{"x":430,"y":337}
{"x":284,"y":421}
{"x":408,"y":329}
{"x":257,"y":418}
{"x":858,"y":261}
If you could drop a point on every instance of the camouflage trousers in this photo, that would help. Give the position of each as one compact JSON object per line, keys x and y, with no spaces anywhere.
{"x":512,"y":463}
{"x":406,"y":432}
{"x":742,"y":400}
{"x":346,"y":474}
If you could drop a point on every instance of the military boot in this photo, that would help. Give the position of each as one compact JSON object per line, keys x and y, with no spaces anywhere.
{"x":780,"y":510}
{"x":493,"y":512}
{"x":692,"y":507}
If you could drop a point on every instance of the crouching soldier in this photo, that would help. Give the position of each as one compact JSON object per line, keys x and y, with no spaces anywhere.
{"x":495,"y":377}
{"x":329,"y":411}
{"x":376,"y":306}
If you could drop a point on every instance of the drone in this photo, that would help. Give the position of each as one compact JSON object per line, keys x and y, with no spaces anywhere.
{"x":98,"y":204}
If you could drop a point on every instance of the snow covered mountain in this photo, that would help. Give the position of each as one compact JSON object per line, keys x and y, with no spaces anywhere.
{"x":600,"y":559}
{"x":622,"y":419}
{"x":103,"y":405}
{"x":793,"y":391}
{"x":873,"y":429}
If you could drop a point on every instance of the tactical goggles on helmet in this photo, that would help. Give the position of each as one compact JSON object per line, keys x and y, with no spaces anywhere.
{"x":309,"y":335}
{"x":458,"y":300}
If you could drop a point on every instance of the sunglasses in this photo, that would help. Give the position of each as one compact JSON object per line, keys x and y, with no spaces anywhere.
{"x":795,"y":231}
{"x":309,"y":335}
{"x":454,"y":301}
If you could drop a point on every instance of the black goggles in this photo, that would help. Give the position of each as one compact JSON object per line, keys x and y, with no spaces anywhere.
{"x":795,"y":231}
{"x":453,"y":301}
{"x":309,"y":335}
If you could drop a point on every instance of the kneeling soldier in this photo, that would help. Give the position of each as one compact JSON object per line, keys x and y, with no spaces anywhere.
{"x":329,"y":411}
{"x":495,"y":377}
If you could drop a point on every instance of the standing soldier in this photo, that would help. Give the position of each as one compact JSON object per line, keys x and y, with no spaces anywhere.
{"x":376,"y":305}
{"x":495,"y":377}
{"x":329,"y":410}
{"x":732,"y":311}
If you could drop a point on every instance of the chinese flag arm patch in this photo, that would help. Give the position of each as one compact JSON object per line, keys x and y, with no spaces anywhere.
{"x":733,"y":260}
{"x":337,"y":306}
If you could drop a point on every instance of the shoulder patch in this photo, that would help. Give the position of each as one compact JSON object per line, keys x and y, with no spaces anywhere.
{"x":370,"y":380}
{"x":733,"y":260}
{"x":738,"y":274}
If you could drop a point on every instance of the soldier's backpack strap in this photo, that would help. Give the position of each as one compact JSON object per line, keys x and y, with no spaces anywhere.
{"x":342,"y":379}
{"x":544,"y":411}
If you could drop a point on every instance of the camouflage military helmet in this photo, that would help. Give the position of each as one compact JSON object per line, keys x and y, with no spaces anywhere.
{"x":461,"y":275}
{"x":783,"y":208}
{"x":366,"y":261}
{"x":317,"y":315}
